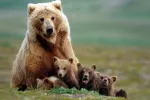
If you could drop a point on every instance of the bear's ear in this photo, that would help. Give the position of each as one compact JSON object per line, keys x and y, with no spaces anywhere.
{"x":79,"y":65}
{"x":114,"y":78}
{"x":55,"y":58}
{"x":57,"y":4}
{"x":46,"y":80}
{"x":70,"y":60}
{"x":94,"y":67}
{"x":31,"y":8}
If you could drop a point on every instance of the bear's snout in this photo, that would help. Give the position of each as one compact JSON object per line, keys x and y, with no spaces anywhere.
{"x":59,"y":75}
{"x":85,"y":76}
{"x":49,"y":31}
{"x":105,"y":80}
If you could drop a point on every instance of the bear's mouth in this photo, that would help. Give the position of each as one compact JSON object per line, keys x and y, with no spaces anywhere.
{"x":61,"y":77}
{"x":46,"y":36}
{"x":104,"y":84}
{"x":85,"y":81}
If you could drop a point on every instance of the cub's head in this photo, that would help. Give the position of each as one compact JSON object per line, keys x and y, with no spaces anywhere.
{"x":46,"y":19}
{"x":86,"y":74}
{"x":62,"y":66}
{"x":44,"y":84}
{"x":107,"y":81}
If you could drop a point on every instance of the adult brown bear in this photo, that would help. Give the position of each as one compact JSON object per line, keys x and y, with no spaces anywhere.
{"x":48,"y":35}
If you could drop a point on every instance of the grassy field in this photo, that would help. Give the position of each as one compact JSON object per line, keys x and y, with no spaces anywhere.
{"x":131,"y":65}
{"x":54,"y":94}
{"x":113,"y":34}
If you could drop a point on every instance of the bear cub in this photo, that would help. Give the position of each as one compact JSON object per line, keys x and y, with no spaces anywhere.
{"x":107,"y":85}
{"x":87,"y":77}
{"x":64,"y":69}
{"x":91,"y":79}
{"x":50,"y":82}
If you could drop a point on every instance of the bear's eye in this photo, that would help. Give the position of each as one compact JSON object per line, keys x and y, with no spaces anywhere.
{"x":64,"y":68}
{"x":101,"y":77}
{"x":41,"y":19}
{"x":52,"y":18}
{"x":90,"y":72}
{"x":57,"y":68}
{"x":82,"y":71}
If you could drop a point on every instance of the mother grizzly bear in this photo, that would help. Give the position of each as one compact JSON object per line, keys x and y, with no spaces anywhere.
{"x":48,"y":35}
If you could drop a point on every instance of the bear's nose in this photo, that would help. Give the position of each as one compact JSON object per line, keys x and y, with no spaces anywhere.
{"x":85,"y":76}
{"x":60,"y":75}
{"x":49,"y":31}
{"x":105,"y":80}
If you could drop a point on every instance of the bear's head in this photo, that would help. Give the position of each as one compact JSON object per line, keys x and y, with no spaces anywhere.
{"x":107,"y":81}
{"x":62,"y":66}
{"x":45,"y":20}
{"x":44,"y":84}
{"x":86,"y":74}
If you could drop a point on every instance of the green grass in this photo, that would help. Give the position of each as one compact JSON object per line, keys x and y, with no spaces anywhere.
{"x":72,"y":91}
{"x":54,"y":94}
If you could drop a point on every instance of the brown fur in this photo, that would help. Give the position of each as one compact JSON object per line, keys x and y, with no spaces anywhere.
{"x":51,"y":82}
{"x":88,"y":79}
{"x":35,"y":57}
{"x":107,"y":85}
{"x":64,"y":70}
{"x":121,"y":93}
{"x":95,"y":80}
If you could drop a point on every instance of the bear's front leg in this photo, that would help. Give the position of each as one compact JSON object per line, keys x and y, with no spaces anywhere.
{"x":31,"y":81}
{"x":73,"y":81}
{"x":34,"y":70}
{"x":76,"y":84}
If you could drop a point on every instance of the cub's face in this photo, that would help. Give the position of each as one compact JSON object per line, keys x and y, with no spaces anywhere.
{"x":107,"y":81}
{"x":44,"y":84}
{"x":45,"y":18}
{"x":62,"y":66}
{"x":86,"y":74}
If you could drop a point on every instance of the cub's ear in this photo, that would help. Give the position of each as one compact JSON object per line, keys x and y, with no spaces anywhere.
{"x":70,"y":60}
{"x":93,"y":67}
{"x":114,"y":78}
{"x":31,"y":8}
{"x":55,"y":58}
{"x":50,"y":83}
{"x":79,"y":65}
{"x":57,"y":4}
{"x":46,"y":80}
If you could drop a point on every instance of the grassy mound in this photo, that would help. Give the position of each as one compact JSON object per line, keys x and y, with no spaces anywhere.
{"x":81,"y":94}
{"x":62,"y":90}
